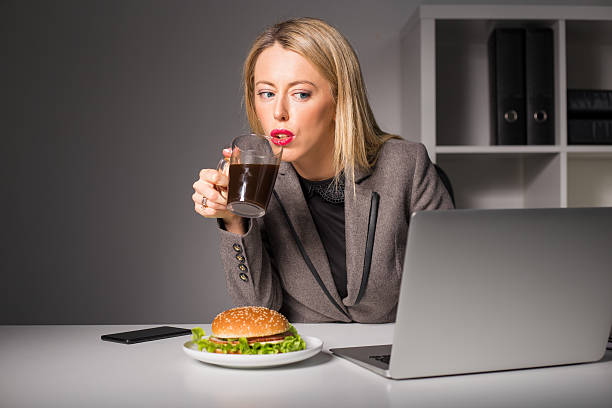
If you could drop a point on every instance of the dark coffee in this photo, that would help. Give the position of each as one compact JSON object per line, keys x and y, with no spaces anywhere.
{"x":250,"y":188}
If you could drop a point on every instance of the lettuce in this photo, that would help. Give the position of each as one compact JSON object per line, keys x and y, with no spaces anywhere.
{"x":290,"y":343}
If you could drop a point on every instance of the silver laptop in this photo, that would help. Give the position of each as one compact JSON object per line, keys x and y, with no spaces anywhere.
{"x":488,"y":290}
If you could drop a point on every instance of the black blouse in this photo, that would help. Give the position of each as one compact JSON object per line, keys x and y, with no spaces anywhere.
{"x":326,"y":203}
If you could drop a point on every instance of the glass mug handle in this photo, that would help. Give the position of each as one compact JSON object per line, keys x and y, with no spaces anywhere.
{"x":223,"y":167}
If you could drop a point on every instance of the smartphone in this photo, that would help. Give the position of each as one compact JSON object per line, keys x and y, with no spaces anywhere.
{"x":138,"y":336}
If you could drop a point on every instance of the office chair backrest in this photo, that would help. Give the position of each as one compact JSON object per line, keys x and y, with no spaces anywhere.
{"x":446,"y":181}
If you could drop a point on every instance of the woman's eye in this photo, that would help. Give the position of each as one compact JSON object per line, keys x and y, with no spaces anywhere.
{"x":266,"y":94}
{"x":302,"y":95}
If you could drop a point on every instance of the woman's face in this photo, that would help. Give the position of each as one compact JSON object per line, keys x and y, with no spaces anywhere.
{"x":294,"y":104}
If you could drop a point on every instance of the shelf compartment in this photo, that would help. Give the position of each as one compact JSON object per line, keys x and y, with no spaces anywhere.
{"x":589,"y":54}
{"x":514,"y":180}
{"x":462,"y":79}
{"x":589,"y":180}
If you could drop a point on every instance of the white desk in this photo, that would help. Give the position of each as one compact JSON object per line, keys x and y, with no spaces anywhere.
{"x":69,"y":366}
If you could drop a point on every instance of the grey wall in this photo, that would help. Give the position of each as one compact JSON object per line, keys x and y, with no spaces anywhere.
{"x":108,"y":110}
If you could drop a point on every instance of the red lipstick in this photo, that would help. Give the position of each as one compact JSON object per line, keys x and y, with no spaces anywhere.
{"x":278,"y":139}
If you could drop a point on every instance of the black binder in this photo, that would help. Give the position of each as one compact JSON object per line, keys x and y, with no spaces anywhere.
{"x":540,"y":86}
{"x":507,"y":76}
{"x":589,"y":116}
{"x":589,"y":131}
{"x":589,"y":103}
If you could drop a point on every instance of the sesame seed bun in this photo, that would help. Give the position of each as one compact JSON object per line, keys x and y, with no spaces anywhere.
{"x":249,"y":321}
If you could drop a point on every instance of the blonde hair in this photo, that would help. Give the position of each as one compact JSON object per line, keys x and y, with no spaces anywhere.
{"x":357,"y":136}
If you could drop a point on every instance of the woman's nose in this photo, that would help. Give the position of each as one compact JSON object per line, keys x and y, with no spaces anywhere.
{"x":281,"y":113}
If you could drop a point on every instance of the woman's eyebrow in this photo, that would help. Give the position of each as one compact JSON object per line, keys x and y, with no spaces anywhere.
{"x":293,"y":83}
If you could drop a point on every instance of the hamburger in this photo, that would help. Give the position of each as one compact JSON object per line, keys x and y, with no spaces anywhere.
{"x":249,"y":330}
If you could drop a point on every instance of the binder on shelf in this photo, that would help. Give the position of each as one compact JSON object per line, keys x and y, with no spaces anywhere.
{"x":589,"y":103}
{"x":540,"y":86}
{"x":507,"y":76}
{"x":589,"y":131}
{"x":589,"y":116}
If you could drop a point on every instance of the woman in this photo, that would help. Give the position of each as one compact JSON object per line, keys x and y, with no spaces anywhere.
{"x":332,"y":242}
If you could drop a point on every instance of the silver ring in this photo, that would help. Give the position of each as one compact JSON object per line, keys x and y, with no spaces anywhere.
{"x":204,"y":200}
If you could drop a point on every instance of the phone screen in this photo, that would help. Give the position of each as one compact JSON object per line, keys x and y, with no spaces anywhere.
{"x":154,"y":333}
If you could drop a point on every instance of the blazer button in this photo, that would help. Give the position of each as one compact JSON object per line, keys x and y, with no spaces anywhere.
{"x":237,"y":248}
{"x":243,"y":267}
{"x":244,"y":277}
{"x":240,"y":258}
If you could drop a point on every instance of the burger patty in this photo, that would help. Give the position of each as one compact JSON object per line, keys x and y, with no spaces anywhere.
{"x":252,"y":340}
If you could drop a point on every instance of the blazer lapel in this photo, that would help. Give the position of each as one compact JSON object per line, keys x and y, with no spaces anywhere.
{"x":290,"y":193}
{"x":356,"y":216}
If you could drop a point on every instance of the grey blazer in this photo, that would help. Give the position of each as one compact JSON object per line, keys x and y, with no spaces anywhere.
{"x":265,"y":266}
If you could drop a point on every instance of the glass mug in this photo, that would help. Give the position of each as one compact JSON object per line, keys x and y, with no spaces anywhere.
{"x":253,"y":166}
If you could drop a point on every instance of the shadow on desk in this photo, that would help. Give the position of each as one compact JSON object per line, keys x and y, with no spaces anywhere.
{"x":314,"y":361}
{"x":324,"y":358}
{"x":606,"y":358}
{"x":533,"y":371}
{"x":319,"y":359}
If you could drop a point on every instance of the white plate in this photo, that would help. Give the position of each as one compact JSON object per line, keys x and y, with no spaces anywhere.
{"x":313,"y":347}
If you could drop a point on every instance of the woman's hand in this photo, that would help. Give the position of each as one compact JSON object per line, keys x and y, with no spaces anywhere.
{"x":210,"y":197}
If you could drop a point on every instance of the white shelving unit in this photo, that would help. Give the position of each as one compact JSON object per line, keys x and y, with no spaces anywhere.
{"x":445,"y":90}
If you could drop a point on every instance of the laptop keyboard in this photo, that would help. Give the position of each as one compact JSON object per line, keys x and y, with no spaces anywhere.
{"x":385,"y":358}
